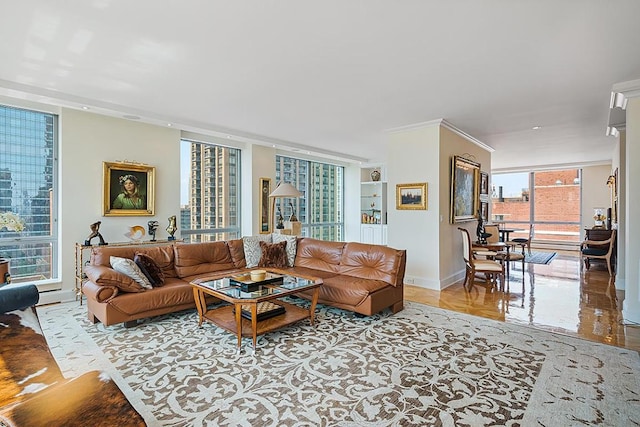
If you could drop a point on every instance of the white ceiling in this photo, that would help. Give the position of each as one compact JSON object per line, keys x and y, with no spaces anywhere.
{"x":336,"y":74}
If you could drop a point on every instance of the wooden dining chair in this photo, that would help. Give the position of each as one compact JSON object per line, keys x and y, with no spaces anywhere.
{"x":521,"y":241}
{"x":598,"y":249}
{"x":506,"y":256}
{"x":493,"y":270}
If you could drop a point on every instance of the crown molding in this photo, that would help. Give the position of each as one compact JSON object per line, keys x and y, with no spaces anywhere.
{"x":630,"y":89}
{"x":445,"y":124}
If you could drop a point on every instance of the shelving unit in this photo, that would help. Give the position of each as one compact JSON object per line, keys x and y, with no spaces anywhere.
{"x":81,"y":259}
{"x":373,"y":209}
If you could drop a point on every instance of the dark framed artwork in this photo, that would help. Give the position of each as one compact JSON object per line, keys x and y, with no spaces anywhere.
{"x":411,"y":196}
{"x":484,"y":183}
{"x":265,"y":212}
{"x":128,"y":189}
{"x":465,"y":201}
{"x":484,"y":211}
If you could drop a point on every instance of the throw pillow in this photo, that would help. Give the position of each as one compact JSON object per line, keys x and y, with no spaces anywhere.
{"x":273,"y":255}
{"x":150,"y":269}
{"x":252,"y":251}
{"x":128,"y":267}
{"x":292,"y":245}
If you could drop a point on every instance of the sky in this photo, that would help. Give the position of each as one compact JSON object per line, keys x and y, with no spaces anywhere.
{"x":512,"y":183}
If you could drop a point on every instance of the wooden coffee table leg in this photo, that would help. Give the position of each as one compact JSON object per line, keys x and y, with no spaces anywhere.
{"x":201,"y":305}
{"x":254,"y":324}
{"x":314,"y":301}
{"x":239,"y":324}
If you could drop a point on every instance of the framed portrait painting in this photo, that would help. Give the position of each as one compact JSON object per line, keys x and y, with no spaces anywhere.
{"x":411,"y":196}
{"x":465,"y":200}
{"x":265,"y":216}
{"x":128,"y":189}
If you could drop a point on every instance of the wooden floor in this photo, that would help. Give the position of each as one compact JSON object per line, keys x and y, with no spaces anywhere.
{"x":557,"y":297}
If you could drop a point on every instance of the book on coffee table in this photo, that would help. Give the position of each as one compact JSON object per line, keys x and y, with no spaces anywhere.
{"x":265,"y":310}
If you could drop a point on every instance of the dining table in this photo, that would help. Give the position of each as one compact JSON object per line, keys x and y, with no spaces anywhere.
{"x":504,"y":233}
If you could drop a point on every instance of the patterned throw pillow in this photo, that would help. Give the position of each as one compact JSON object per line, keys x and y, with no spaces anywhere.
{"x":150,"y":269}
{"x":252,"y":251}
{"x":292,"y":245}
{"x":128,"y":267}
{"x":273,"y":255}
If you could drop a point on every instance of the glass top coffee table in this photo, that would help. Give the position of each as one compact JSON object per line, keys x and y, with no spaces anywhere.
{"x":254,"y":312}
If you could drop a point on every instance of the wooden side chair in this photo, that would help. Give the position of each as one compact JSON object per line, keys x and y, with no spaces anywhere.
{"x":598,"y":249}
{"x":493,"y":270}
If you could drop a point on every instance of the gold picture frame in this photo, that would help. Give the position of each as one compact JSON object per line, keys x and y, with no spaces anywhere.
{"x":465,"y":186}
{"x":411,"y":196}
{"x":265,"y":212}
{"x":128,"y":189}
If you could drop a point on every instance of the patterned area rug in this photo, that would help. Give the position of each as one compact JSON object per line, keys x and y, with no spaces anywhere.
{"x":422,"y":366}
{"x":539,"y":257}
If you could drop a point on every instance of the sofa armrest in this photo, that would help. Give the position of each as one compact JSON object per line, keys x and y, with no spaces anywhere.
{"x":18,"y":297}
{"x":99,"y":293}
{"x":107,"y":276}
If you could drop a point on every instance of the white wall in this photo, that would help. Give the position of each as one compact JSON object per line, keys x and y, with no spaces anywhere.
{"x":595,"y":193}
{"x":631,"y":310}
{"x":413,"y":157}
{"x":87,"y":140}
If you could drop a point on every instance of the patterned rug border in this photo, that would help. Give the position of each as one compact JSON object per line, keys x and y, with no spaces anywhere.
{"x":570,"y":362}
{"x":542,"y":258}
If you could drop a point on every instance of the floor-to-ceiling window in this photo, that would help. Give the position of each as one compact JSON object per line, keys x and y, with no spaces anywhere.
{"x":28,"y":183}
{"x":210,"y":192}
{"x":320,"y":209}
{"x":548,"y":199}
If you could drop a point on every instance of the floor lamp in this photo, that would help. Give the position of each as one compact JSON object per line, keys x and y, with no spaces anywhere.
{"x":284,"y":189}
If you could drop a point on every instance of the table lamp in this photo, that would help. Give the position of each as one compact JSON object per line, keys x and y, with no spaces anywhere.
{"x":284,"y":189}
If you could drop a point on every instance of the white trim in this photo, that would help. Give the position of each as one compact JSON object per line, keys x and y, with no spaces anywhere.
{"x":558,"y":166}
{"x":445,"y":124}
{"x":630,"y":89}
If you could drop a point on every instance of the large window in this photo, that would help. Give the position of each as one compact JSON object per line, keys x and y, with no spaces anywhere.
{"x":28,"y":146}
{"x":550,"y":200}
{"x":210,"y":192}
{"x":320,"y":209}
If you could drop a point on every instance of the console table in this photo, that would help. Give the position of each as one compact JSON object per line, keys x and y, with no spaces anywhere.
{"x":603,"y":234}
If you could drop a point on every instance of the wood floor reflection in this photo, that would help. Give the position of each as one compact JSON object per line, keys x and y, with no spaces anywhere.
{"x":557,"y":297}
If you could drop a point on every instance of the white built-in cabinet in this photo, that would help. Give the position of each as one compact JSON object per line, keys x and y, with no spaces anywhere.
{"x":373,"y":210}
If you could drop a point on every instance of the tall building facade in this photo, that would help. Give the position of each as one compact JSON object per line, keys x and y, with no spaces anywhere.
{"x":320,"y":207}
{"x":214,"y":191}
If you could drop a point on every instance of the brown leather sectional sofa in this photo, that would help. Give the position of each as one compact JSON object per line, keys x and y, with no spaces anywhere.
{"x":359,"y":277}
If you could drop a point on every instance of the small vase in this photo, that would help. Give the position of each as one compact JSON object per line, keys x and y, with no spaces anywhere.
{"x":375,"y":175}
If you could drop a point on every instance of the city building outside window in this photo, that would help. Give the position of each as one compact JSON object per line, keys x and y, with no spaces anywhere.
{"x":320,"y":209}
{"x":210,"y":192}
{"x":28,"y":187}
{"x":548,"y":199}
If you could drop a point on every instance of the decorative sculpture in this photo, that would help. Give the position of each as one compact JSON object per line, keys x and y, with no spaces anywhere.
{"x":293,"y":216}
{"x":171,"y":228}
{"x":280,"y":223}
{"x":95,"y":233}
{"x":153,"y":226}
{"x":480,"y":233}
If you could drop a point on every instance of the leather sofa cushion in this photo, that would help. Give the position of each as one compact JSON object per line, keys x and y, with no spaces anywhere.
{"x":349,"y":290}
{"x":162,"y":255}
{"x":202,"y":258}
{"x":175,"y":292}
{"x":370,"y":262}
{"x":319,"y":254}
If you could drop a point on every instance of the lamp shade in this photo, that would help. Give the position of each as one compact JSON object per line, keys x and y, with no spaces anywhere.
{"x":285,"y":189}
